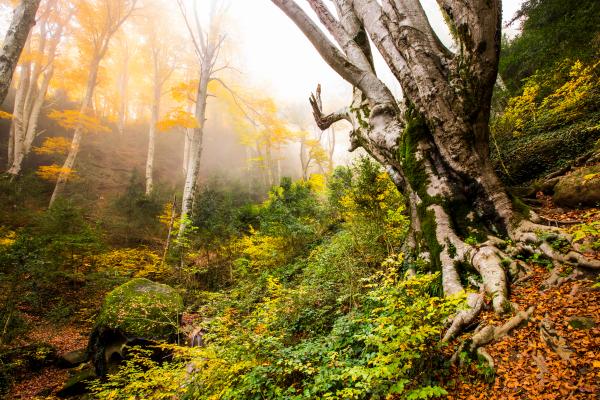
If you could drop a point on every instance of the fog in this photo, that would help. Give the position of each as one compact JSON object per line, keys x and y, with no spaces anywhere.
{"x":258,"y":118}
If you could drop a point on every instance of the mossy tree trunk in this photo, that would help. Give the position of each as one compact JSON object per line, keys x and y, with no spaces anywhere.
{"x":434,"y":142}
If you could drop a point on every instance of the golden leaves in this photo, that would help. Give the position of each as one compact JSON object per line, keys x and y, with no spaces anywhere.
{"x":177,"y":118}
{"x":75,"y":119}
{"x":54,"y":145}
{"x":52,"y":172}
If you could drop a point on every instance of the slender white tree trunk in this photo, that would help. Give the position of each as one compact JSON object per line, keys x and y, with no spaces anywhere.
{"x":16,"y":36}
{"x":30,"y":97}
{"x":152,"y":139}
{"x":78,"y":134}
{"x":187,"y":139}
{"x":31,"y":133}
{"x":123,"y":81}
{"x":17,"y":125}
{"x":269,"y":164}
{"x":193,"y":169}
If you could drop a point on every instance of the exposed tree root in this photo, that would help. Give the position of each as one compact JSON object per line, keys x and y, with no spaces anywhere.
{"x":465,"y":317}
{"x":490,"y":333}
{"x":529,"y":238}
{"x":542,"y":236}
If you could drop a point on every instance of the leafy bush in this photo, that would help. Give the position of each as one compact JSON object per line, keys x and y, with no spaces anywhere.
{"x":572,"y":97}
{"x":140,"y":377}
{"x":138,"y":262}
{"x":388,"y":347}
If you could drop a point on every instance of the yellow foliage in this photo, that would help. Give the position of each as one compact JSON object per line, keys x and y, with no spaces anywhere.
{"x":565,"y":104}
{"x":72,"y":119}
{"x":7,"y":238}
{"x":5,"y":115}
{"x":318,"y":183}
{"x":576,"y":91}
{"x":52,"y":172}
{"x":136,"y":262}
{"x":167,"y":215}
{"x":177,"y":118}
{"x":54,"y":145}
{"x":184,"y":91}
{"x":263,"y":252}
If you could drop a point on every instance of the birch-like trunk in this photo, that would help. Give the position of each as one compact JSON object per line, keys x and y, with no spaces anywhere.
{"x":17,"y":126}
{"x":269,"y":164}
{"x":86,"y":106}
{"x":195,"y":151}
{"x":123,"y":81}
{"x":152,"y":134}
{"x":22,"y":21}
{"x":26,"y":139}
{"x":188,"y":133}
{"x":304,"y":158}
{"x":32,"y":89}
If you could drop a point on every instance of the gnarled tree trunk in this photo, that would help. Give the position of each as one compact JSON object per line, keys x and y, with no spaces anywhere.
{"x":434,"y":142}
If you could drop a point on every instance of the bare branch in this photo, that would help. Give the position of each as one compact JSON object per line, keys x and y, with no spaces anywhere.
{"x":328,"y":50}
{"x":325,"y":121}
{"x":199,"y":52}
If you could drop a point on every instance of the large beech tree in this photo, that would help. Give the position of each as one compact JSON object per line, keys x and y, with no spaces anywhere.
{"x":434,"y":141}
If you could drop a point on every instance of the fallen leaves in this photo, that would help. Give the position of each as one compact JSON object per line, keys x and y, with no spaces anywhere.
{"x":526,"y":367}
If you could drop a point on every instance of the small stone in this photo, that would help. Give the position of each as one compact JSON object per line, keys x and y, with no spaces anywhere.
{"x":72,"y":358}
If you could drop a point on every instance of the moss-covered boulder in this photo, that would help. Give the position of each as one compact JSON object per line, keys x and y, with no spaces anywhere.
{"x":581,"y":188}
{"x":141,"y":308}
{"x":139,"y":312}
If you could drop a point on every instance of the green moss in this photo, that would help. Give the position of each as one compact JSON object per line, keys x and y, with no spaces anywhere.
{"x":142,"y":308}
{"x":429,"y":237}
{"x":362,"y":115}
{"x":451,"y":248}
{"x":414,"y":169}
{"x":520,"y":207}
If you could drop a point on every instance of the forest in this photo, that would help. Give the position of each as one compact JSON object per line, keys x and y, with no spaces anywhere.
{"x":299,"y":199}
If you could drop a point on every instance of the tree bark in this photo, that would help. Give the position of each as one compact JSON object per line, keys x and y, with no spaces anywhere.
{"x":86,"y":106}
{"x":101,"y":40}
{"x":123,"y":81}
{"x":151,"y":146}
{"x":195,"y":151}
{"x":434,"y":142}
{"x":14,"y":41}
{"x":17,"y":123}
{"x":26,"y":142}
{"x":31,"y":92}
{"x":155,"y":112}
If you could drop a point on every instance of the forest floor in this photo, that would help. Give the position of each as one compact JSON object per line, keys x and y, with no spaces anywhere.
{"x":525,"y":366}
{"x":48,"y":381}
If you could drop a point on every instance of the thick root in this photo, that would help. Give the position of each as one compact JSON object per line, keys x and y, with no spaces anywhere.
{"x":465,"y":317}
{"x":490,"y":333}
{"x":489,"y":264}
{"x":542,"y":236}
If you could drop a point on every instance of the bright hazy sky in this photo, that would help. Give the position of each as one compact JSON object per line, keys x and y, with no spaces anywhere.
{"x":275,"y":55}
